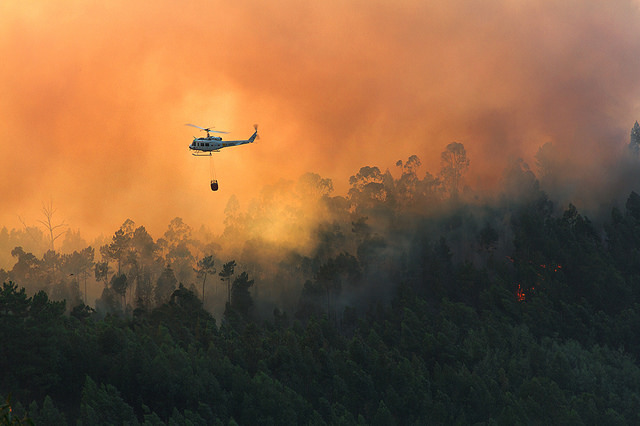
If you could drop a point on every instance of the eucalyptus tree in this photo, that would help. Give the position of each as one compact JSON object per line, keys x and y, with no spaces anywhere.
{"x":178,"y":246}
{"x":454,"y":165}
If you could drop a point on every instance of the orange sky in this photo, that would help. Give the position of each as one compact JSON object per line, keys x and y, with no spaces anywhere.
{"x":95,"y":95}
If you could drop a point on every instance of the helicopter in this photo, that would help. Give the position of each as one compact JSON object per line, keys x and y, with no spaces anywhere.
{"x":206,"y":146}
{"x":210,"y":144}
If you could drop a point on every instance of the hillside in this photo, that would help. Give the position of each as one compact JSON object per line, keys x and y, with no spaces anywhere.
{"x":410,"y":301}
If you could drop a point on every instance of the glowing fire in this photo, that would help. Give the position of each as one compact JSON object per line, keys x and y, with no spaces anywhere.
{"x":520,"y":296}
{"x":555,"y":268}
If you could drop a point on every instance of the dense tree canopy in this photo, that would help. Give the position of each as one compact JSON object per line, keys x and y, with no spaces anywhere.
{"x":401,"y":305}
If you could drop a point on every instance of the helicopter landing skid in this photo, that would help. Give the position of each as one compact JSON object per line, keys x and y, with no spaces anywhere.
{"x":204,"y":154}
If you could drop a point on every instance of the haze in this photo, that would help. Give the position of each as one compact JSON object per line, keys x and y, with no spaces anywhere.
{"x":95,"y":96}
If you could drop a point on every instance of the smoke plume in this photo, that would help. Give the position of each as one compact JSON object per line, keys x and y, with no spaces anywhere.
{"x":95,"y":96}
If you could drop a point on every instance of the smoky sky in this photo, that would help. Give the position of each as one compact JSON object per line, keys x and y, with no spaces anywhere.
{"x":94,"y":96}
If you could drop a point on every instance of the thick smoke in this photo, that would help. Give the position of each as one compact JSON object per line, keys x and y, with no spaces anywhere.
{"x":95,"y":96}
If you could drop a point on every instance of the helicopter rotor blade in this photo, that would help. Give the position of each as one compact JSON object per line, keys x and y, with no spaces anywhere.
{"x":205,"y":129}
{"x":193,"y":125}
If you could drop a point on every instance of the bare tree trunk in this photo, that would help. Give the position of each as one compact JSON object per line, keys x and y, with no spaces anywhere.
{"x":48,"y":211}
{"x":203,"y":281}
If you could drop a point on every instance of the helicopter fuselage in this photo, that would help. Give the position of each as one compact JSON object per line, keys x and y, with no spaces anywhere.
{"x":211,"y":144}
{"x":205,"y":146}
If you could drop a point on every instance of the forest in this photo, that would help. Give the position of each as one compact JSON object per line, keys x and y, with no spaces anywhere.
{"x":413,"y":299}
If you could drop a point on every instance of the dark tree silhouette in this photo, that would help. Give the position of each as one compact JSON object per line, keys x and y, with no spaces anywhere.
{"x":79,"y":264}
{"x":634,"y":142}
{"x":101,"y":271}
{"x":367,"y":188}
{"x":407,"y":185}
{"x":454,"y":164}
{"x":205,"y":267}
{"x":225,"y":274}
{"x":119,"y":284}
{"x":335,"y":271}
{"x":120,"y":246}
{"x":27,"y":270}
{"x":165,"y":286}
{"x":177,"y":246}
{"x":312,"y":184}
{"x":241,"y":300}
{"x":633,"y":205}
